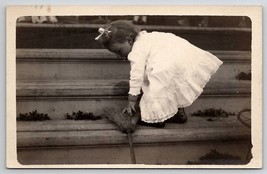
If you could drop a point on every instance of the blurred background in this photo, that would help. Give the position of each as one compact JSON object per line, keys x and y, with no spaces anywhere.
{"x":192,"y":21}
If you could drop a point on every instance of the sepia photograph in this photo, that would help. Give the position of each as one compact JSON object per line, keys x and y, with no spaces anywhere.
{"x":145,"y":87}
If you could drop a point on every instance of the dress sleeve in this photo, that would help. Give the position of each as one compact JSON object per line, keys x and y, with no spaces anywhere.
{"x":138,"y":57}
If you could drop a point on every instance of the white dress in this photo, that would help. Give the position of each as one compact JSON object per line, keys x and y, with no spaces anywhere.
{"x":170,"y":71}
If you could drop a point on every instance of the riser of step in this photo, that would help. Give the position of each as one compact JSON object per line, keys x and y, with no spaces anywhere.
{"x":103,"y":70}
{"x":113,"y":87}
{"x":104,"y":124}
{"x":158,"y":154}
{"x":196,"y":129}
{"x":56,"y":107}
{"x":83,"y":37}
{"x":48,"y":55}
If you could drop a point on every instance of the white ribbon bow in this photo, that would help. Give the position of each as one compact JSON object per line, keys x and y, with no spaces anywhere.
{"x":102,"y":31}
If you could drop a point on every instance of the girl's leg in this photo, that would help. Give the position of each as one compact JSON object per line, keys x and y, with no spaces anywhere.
{"x":180,"y":117}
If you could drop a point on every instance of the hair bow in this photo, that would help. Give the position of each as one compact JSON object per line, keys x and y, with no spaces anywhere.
{"x":102,"y":31}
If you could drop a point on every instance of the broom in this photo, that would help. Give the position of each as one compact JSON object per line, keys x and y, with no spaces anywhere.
{"x":126,"y":124}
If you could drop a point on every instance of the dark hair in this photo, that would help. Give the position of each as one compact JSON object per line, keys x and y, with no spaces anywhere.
{"x":120,"y":30}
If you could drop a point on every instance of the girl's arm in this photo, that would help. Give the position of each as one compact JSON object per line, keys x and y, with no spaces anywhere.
{"x":138,"y":57}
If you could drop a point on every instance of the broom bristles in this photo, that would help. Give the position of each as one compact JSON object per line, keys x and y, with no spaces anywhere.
{"x":125,"y":122}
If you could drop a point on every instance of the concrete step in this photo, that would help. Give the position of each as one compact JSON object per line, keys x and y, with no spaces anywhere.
{"x":100,"y":142}
{"x":113,"y":87}
{"x":103,"y":70}
{"x":104,"y":55}
{"x":64,"y":64}
{"x":99,"y":128}
{"x":82,"y":36}
{"x":57,"y":106}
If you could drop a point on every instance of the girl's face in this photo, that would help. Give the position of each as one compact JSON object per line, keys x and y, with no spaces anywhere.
{"x":121,"y":49}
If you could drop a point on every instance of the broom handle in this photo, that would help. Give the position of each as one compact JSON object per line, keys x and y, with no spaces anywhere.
{"x":131,"y":147}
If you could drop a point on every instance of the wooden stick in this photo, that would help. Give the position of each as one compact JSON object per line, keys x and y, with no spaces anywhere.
{"x":131,"y":147}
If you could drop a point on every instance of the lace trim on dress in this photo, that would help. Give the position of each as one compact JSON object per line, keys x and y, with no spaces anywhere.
{"x":158,"y":120}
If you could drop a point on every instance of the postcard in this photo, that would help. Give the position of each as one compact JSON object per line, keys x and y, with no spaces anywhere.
{"x":134,"y":87}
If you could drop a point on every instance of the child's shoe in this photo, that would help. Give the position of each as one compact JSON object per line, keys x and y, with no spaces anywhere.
{"x":180,"y":117}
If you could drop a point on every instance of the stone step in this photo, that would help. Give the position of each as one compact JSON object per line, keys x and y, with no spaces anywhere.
{"x":58,"y":106}
{"x":48,"y":134}
{"x":113,"y":87}
{"x":104,"y":70}
{"x":153,"y":154}
{"x":105,"y":124}
{"x":104,"y":55}
{"x":98,"y":142}
{"x":59,"y":64}
{"x":82,"y":36}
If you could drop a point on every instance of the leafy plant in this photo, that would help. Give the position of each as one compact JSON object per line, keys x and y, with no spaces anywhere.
{"x":33,"y":116}
{"x":81,"y":116}
{"x":211,"y":112}
{"x":215,"y":157}
{"x":244,"y":76}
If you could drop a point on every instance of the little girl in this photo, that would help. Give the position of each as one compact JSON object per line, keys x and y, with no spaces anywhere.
{"x":169,"y":70}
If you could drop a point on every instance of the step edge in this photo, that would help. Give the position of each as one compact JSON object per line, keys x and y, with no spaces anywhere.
{"x":147,"y":27}
{"x":104,"y":124}
{"x":50,"y":55}
{"x":116,"y":137}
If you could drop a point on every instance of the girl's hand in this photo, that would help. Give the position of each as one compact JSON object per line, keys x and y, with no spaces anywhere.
{"x":131,"y":105}
{"x":130,"y":108}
